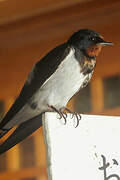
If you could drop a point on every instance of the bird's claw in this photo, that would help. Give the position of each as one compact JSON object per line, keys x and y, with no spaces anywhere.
{"x":61,"y":114}
{"x":74,"y":114}
{"x":78,"y":117}
{"x":64,"y":115}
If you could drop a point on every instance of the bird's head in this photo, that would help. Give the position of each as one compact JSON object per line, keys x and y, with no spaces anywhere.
{"x":89,"y":42}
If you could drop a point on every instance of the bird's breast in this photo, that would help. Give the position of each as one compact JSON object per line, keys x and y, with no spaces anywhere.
{"x":88,"y":66}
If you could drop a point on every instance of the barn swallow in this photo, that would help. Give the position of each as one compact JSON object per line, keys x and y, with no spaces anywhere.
{"x":53,"y":81}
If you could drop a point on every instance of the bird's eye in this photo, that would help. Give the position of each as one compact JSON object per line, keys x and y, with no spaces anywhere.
{"x":92,"y":38}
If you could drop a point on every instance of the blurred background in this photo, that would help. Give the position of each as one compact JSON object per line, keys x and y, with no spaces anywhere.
{"x":28,"y":30}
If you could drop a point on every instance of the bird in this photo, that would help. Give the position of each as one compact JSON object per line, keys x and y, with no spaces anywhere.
{"x":53,"y":81}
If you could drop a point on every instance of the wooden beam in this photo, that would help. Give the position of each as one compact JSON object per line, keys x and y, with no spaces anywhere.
{"x":110,"y":112}
{"x":97,"y":97}
{"x":24,"y":173}
{"x":11,"y":11}
{"x":54,"y":8}
{"x":13,"y":159}
{"x":39,"y":146}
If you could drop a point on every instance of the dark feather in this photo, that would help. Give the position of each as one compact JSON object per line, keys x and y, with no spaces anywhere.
{"x":23,"y":131}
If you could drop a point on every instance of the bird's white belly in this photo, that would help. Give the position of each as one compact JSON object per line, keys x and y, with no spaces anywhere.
{"x":62,"y":85}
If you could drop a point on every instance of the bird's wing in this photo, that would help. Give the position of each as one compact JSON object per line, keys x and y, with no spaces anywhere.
{"x":40,"y":73}
{"x":23,"y":131}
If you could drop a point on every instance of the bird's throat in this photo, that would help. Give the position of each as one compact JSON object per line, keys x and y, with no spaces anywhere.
{"x":93,"y":51}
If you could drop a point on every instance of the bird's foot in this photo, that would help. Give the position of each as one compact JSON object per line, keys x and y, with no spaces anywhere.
{"x":74,"y":114}
{"x":61,"y":114}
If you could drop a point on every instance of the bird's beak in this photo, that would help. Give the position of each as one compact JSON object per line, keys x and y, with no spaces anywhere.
{"x":106,"y":43}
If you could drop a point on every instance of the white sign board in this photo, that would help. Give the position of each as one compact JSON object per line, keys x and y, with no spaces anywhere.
{"x":90,"y":151}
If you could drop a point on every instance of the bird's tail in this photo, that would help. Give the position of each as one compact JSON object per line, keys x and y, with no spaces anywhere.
{"x":23,"y":131}
{"x":3,"y":132}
